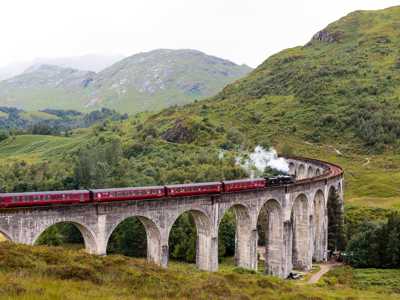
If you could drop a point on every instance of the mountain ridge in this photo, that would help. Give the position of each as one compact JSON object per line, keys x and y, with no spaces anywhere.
{"x":87,"y":62}
{"x":144,"y":81}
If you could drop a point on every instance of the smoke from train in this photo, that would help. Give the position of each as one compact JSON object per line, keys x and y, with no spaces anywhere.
{"x":257,"y":161}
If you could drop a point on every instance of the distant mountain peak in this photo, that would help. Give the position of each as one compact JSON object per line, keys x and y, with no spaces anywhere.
{"x":45,"y":68}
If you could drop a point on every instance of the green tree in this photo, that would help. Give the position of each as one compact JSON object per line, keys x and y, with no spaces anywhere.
{"x":129,"y":238}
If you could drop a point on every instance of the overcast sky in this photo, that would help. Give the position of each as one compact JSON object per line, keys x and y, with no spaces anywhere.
{"x":244,"y":31}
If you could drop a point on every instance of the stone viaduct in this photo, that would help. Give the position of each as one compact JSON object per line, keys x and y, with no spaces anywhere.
{"x":295,"y":215}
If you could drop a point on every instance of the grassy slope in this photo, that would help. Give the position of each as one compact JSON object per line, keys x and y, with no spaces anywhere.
{"x":34,"y":148}
{"x":37,"y":115}
{"x":53,"y":273}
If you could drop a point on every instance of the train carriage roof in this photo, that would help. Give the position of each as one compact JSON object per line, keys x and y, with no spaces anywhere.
{"x":127,"y":189}
{"x":243,"y":180}
{"x":44,"y":193}
{"x":193,"y":184}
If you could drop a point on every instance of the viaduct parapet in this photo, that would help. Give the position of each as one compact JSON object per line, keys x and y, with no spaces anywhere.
{"x":295,"y":218}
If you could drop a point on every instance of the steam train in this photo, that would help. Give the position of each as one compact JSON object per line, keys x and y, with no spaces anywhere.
{"x":138,"y":193}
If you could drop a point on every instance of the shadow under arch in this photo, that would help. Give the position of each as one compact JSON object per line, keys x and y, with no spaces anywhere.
{"x":243,"y":235}
{"x":87,"y":235}
{"x":301,"y":230}
{"x":204,"y":238}
{"x":292,"y":168}
{"x":270,"y":236}
{"x":301,"y":172}
{"x":153,"y":237}
{"x":310,"y":171}
{"x":318,"y":226}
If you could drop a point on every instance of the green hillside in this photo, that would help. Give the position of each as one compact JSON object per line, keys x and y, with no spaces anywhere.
{"x":342,"y":86}
{"x":38,"y":147}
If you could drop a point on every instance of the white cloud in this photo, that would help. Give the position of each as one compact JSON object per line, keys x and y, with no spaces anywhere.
{"x":245,"y":31}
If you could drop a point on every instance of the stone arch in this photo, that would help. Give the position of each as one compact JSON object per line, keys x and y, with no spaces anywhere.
{"x":89,"y":237}
{"x":301,"y":171}
{"x":153,"y":237}
{"x":310,"y":171}
{"x":318,"y":231}
{"x":270,"y":217}
{"x":292,"y":168}
{"x":204,"y":241}
{"x":243,"y":235}
{"x":317,"y":171}
{"x":301,"y":223}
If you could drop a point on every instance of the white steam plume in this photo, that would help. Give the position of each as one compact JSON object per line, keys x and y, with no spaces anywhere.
{"x":257,"y":161}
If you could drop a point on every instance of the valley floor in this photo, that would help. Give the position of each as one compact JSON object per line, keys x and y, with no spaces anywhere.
{"x":55,"y":273}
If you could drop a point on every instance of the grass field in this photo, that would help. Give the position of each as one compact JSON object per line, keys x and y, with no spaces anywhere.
{"x":38,"y":147}
{"x":38,"y":115}
{"x":55,"y":273}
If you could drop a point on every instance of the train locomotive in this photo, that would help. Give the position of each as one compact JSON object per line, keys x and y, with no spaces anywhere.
{"x":138,"y":193}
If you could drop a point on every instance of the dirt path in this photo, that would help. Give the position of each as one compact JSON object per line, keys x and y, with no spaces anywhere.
{"x":324,"y":268}
{"x":368,"y":160}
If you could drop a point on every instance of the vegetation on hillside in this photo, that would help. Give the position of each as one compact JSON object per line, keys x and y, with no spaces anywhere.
{"x":376,"y":245}
{"x":55,"y":273}
{"x":340,"y":87}
{"x":51,"y":121}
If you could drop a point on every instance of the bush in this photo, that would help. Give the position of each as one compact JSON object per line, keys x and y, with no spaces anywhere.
{"x":376,"y":245}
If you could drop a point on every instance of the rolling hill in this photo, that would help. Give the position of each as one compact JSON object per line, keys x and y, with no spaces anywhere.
{"x":342,"y":86}
{"x":145,"y":81}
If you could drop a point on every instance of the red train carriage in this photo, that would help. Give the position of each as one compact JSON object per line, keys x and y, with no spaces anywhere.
{"x":193,"y":189}
{"x":130,"y":193}
{"x":44,"y":198}
{"x":243,"y":184}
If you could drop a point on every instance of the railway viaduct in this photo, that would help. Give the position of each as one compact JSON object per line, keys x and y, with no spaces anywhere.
{"x":295,"y":217}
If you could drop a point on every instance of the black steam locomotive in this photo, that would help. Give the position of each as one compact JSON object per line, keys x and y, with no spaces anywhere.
{"x":280,"y":180}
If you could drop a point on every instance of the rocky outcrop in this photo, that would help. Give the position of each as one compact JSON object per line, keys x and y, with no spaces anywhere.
{"x":327,"y":37}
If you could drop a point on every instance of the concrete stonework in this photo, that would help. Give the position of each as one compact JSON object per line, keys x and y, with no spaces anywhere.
{"x":296,"y":222}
